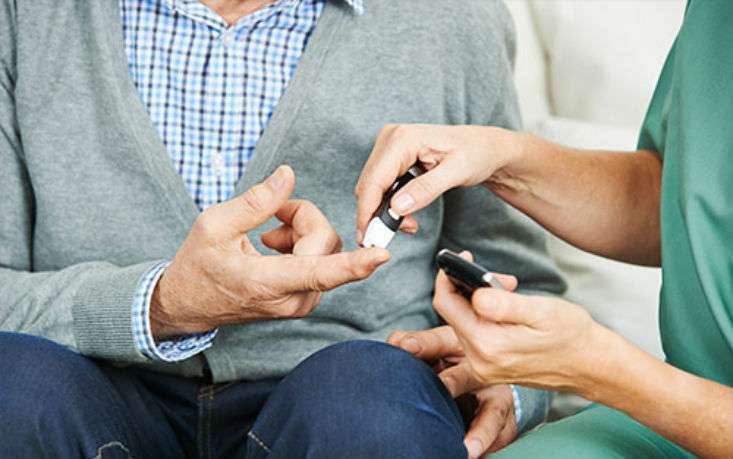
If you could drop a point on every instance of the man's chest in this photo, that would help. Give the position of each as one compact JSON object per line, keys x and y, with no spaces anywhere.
{"x":211,"y":88}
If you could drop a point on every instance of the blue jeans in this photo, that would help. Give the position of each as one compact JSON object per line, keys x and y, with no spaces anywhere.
{"x":358,"y":399}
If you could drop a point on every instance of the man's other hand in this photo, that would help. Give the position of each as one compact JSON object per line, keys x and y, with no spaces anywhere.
{"x":219,"y":278}
{"x":494,"y":423}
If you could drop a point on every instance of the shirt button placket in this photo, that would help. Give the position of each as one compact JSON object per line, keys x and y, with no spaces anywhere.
{"x":218,"y":164}
{"x":227,"y":37}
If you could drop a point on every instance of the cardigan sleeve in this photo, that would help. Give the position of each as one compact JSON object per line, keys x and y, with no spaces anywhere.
{"x":85,"y":307}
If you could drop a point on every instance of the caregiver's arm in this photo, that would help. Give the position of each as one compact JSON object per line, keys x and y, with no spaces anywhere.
{"x":604,"y":202}
{"x":693,"y":412}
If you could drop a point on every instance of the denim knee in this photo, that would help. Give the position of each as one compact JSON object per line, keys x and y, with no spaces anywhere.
{"x":40,"y":376}
{"x":48,"y":394}
{"x":360,"y":399}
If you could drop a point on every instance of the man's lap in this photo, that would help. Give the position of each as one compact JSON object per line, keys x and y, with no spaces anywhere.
{"x":597,"y":432}
{"x":49,"y":391}
{"x":363,"y":396}
{"x":386,"y":402}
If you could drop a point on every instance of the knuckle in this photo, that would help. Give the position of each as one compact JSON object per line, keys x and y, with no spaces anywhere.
{"x":483,"y":374}
{"x":253,"y":200}
{"x":335,"y":242}
{"x":368,"y":183}
{"x":203,"y":223}
{"x":499,"y":302}
{"x":502,"y":410}
{"x":389,"y":129}
{"x":308,"y":207}
{"x":396,"y":131}
{"x":484,"y":355}
{"x":358,"y":271}
{"x":423,"y":187}
{"x":290,"y":309}
{"x":401,"y":130}
{"x":313,"y":281}
{"x":438,"y":301}
{"x":299,"y":313}
{"x":362,"y":183}
{"x":303,"y":304}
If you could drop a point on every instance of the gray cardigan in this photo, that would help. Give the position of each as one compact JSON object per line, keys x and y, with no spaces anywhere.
{"x":89,"y":199}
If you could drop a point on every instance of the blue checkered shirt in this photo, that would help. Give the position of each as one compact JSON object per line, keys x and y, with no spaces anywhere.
{"x":210,"y":90}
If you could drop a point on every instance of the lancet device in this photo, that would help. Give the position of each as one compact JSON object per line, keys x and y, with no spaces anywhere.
{"x":385,"y":223}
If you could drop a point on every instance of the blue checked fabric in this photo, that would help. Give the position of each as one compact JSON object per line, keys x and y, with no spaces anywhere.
{"x":210,"y":90}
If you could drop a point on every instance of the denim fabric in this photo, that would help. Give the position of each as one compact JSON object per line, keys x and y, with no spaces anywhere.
{"x":355,"y":399}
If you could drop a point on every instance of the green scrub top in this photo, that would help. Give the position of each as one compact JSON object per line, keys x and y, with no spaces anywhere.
{"x":690,"y":124}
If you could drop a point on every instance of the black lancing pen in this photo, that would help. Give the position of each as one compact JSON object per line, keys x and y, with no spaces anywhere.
{"x":385,"y":223}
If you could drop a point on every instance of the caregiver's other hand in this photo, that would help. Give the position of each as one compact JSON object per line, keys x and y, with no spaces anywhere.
{"x":452,"y":155}
{"x":507,"y":337}
{"x":494,"y":423}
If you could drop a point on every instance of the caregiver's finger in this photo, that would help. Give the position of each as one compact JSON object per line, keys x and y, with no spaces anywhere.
{"x":459,"y":379}
{"x":507,"y":281}
{"x":506,"y":436}
{"x":428,"y":187}
{"x":395,"y":337}
{"x":486,"y":427}
{"x":432,"y":344}
{"x":507,"y":307}
{"x":394,"y":152}
{"x":453,"y":307}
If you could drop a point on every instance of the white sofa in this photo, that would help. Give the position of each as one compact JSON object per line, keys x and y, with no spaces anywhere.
{"x":585,"y":72}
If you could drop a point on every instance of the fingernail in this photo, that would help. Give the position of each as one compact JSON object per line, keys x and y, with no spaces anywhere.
{"x":404,"y":202}
{"x":382,"y":256}
{"x":411,"y":345}
{"x":276,"y":180}
{"x":475,"y":448}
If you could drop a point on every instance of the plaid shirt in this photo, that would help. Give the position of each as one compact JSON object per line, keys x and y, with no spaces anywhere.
{"x":210,"y":90}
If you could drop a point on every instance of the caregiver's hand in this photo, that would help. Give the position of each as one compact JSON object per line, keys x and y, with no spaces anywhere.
{"x":494,"y":423}
{"x":453,"y":155}
{"x":540,"y":342}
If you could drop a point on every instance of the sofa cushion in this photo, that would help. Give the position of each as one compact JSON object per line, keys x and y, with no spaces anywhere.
{"x":605,"y":56}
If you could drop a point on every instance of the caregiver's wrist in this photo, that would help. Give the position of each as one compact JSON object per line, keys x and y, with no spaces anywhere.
{"x":520,"y":165}
{"x":603,"y":373}
{"x":597,"y":368}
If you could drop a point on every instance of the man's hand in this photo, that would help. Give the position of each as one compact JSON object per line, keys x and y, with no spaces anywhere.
{"x":494,"y":423}
{"x":219,"y":278}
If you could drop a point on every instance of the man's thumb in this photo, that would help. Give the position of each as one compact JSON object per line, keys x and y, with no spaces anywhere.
{"x":256,"y":205}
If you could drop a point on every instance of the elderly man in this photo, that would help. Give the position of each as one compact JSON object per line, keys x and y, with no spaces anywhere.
{"x":149,"y":304}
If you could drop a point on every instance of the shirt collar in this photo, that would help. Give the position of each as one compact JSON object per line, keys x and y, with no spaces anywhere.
{"x":356,"y":5}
